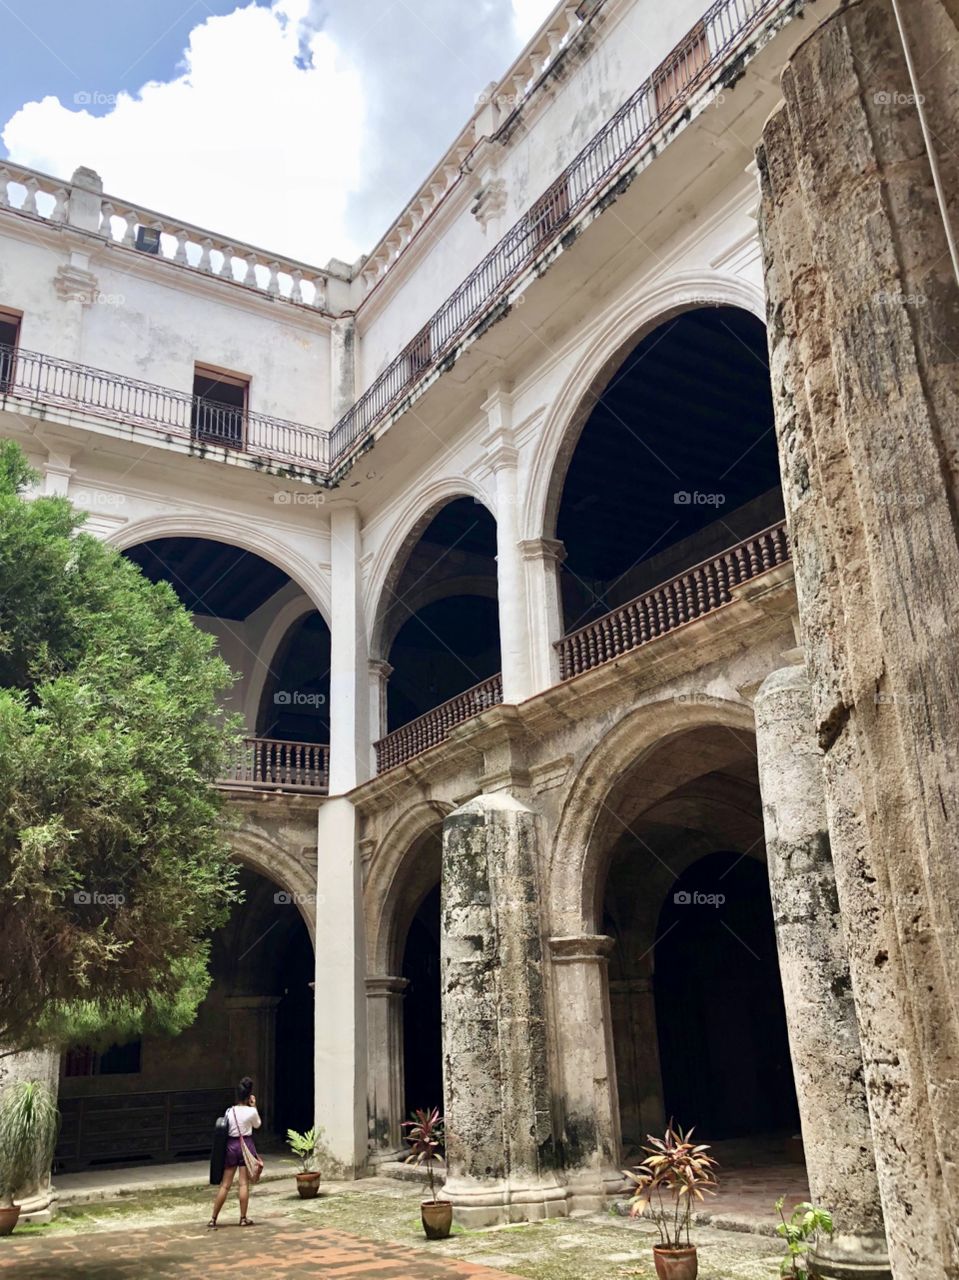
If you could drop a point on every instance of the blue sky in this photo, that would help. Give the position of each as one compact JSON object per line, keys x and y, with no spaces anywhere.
{"x":302,"y":125}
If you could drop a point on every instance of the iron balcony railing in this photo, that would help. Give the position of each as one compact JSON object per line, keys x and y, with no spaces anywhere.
{"x":717,"y":42}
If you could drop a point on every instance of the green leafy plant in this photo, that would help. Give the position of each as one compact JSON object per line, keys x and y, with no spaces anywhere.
{"x":678,"y":1170}
{"x":29,"y":1124}
{"x":798,"y":1232}
{"x":425,"y":1138}
{"x":305,"y":1147}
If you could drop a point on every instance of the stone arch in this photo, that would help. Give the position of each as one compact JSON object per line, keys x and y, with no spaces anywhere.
{"x":577,"y":862}
{"x":392,"y":888}
{"x":236,"y":532}
{"x":390,"y":559}
{"x":605,"y":350}
{"x":287,"y":618}
{"x":271,"y":860}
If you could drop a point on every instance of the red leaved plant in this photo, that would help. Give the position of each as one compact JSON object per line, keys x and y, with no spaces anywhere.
{"x":675,"y":1168}
{"x":425,"y":1140}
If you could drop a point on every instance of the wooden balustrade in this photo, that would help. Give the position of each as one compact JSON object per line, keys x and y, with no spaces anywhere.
{"x":698,"y":591}
{"x":273,"y":764}
{"x":433,"y":728}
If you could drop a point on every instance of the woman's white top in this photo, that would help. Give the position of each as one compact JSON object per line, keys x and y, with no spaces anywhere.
{"x":248,"y":1119}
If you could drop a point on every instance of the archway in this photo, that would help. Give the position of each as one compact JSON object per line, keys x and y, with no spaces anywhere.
{"x":698,"y":1022}
{"x":671,"y":459}
{"x":437,"y":623}
{"x":256,"y":1019}
{"x":238,"y":596}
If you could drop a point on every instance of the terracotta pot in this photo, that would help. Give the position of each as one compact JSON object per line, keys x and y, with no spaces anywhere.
{"x":307,"y":1185}
{"x":437,"y":1218}
{"x":8,"y":1218}
{"x":675,"y":1264}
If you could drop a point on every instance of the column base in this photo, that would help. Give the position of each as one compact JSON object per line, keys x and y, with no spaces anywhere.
{"x":40,"y":1207}
{"x":851,"y":1258}
{"x":590,"y":1190}
{"x":491,"y":1204}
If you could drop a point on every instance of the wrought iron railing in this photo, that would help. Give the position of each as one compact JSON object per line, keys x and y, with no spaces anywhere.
{"x":698,"y":591}
{"x":434,"y":727}
{"x":28,"y":375}
{"x":720,"y":38}
{"x":272,"y":764}
{"x":724,"y":30}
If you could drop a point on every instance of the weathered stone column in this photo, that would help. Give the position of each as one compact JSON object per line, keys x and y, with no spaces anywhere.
{"x":384,"y":1005}
{"x":864,"y":335}
{"x":37,"y":1204}
{"x":501,"y":1148}
{"x":591,"y":1139}
{"x":821,"y":1016}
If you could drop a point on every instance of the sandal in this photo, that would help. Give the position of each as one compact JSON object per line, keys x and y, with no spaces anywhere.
{"x":247,"y":1222}
{"x":211,"y":1225}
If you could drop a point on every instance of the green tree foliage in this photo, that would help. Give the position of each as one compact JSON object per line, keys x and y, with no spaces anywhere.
{"x":114,"y":861}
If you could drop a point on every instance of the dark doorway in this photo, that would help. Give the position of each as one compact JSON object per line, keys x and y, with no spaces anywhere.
{"x":719,"y":1004}
{"x":294,"y":1036}
{"x":422,"y":1008}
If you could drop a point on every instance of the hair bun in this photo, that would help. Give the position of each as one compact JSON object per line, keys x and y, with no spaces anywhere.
{"x":245,"y":1087}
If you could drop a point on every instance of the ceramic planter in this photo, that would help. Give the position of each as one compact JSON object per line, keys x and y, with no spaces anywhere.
{"x":675,"y":1264}
{"x":437,"y":1218}
{"x":8,"y":1218}
{"x":307,"y":1185}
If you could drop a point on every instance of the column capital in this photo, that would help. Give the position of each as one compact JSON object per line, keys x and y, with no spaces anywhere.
{"x":385,"y":985}
{"x":581,"y":948}
{"x":543,"y":549}
{"x":380,"y":667}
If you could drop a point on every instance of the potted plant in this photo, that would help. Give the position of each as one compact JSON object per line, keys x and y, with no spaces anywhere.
{"x":679,"y":1171}
{"x":425,"y":1139}
{"x":805,"y":1222}
{"x":304,"y":1147}
{"x":29,"y":1123}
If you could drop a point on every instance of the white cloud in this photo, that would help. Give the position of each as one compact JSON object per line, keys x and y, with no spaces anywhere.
{"x":245,"y":140}
{"x":302,"y":127}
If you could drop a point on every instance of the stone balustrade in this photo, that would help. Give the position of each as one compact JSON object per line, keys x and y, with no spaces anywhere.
{"x":132,"y":227}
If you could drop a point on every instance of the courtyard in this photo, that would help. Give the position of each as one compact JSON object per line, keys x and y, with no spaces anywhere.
{"x":354,"y":1230}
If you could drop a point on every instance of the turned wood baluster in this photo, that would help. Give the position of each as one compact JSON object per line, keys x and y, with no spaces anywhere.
{"x":742,"y":561}
{"x":670,"y":593}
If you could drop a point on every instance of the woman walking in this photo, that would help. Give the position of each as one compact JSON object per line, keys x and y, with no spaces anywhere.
{"x":241,"y":1120}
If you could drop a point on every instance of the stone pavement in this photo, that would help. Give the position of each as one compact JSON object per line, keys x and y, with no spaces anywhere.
{"x":267,"y":1250}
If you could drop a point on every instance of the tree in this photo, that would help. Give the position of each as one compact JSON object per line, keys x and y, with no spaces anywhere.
{"x":114,"y":856}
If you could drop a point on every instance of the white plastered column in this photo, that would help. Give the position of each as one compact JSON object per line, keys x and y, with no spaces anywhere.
{"x":542,"y":558}
{"x":501,"y":458}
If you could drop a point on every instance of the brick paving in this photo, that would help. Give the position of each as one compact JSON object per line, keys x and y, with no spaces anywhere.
{"x":268,"y":1250}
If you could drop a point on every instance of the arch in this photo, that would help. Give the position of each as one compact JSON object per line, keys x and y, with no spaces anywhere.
{"x":229,"y":529}
{"x":576,"y":860}
{"x":286,"y":619}
{"x":388,"y":877}
{"x":272,"y":861}
{"x":390,"y":559}
{"x":607,"y":347}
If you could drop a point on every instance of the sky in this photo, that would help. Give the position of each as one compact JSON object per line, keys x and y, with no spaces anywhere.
{"x":302,"y":126}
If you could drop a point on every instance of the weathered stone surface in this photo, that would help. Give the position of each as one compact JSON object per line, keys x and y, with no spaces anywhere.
{"x":823,"y":1035}
{"x":501,"y":1147}
{"x":864,"y":331}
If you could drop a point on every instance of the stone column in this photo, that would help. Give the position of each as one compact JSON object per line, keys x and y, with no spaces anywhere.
{"x":384,"y":1005}
{"x":342,"y":366}
{"x":380,"y":673}
{"x":252,"y":1048}
{"x":37,"y":1204}
{"x":501,"y":1150}
{"x":820,"y":1013}
{"x":502,"y":456}
{"x":543,"y":557}
{"x":864,"y":331}
{"x":590,"y":1120}
{"x":340,"y":1059}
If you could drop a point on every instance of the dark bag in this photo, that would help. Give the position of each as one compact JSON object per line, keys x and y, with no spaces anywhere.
{"x":218,"y":1155}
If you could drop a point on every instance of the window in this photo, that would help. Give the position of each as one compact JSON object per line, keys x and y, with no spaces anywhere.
{"x":9,"y":338}
{"x":219,"y":406}
{"x":671,"y":80}
{"x":118,"y":1060}
{"x":549,"y":211}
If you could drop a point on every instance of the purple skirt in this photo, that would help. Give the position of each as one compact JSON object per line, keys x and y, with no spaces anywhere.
{"x":234,"y":1154}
